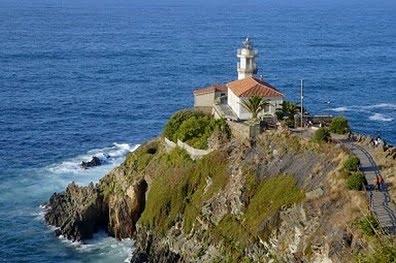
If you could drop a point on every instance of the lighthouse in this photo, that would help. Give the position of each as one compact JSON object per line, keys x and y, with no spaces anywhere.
{"x":247,"y":66}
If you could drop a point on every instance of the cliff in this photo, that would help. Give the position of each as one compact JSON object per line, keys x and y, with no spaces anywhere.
{"x":278,"y":199}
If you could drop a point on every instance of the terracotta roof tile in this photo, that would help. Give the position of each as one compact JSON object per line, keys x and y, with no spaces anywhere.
{"x":211,"y":89}
{"x":248,"y":87}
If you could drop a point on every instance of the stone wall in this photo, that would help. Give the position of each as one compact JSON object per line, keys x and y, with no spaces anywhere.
{"x":194,"y":153}
{"x":243,"y":131}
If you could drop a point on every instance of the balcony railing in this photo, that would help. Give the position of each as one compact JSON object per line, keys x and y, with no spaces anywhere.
{"x":251,"y":67}
{"x":247,"y":52}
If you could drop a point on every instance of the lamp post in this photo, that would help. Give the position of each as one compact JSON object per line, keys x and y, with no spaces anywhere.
{"x":301,"y":103}
{"x":328,"y":105}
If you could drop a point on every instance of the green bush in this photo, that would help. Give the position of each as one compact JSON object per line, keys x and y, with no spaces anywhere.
{"x":193,"y":127}
{"x":355,"y":181}
{"x":321,"y":135}
{"x":339,"y":125}
{"x":352,"y":164}
{"x":175,"y":121}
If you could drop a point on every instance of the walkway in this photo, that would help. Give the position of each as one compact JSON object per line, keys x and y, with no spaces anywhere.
{"x":225,"y":111}
{"x":379,"y":202}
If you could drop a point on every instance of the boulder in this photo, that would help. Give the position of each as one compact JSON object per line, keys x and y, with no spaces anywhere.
{"x":94,"y":162}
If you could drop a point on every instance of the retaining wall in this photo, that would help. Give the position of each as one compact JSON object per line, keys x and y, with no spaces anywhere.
{"x":194,"y":153}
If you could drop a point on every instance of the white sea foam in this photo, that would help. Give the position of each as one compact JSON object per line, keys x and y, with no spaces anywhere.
{"x":340,"y":109}
{"x":110,"y":249}
{"x":380,"y":117}
{"x":389,"y":106}
{"x":108,"y":155}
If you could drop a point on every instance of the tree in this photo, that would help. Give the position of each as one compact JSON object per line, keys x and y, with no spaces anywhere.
{"x":254,"y":105}
{"x":339,"y":125}
{"x":289,"y":109}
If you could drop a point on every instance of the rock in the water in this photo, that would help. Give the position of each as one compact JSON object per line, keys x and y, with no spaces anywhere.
{"x":78,"y":212}
{"x":94,"y":162}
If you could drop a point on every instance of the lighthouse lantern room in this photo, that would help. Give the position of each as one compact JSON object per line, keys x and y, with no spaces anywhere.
{"x":247,"y":66}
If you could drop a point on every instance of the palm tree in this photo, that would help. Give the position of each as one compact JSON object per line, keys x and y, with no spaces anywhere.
{"x":289,"y":109}
{"x":254,"y":105}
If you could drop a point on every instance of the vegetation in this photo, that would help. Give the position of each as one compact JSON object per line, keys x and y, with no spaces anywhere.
{"x":321,"y":135}
{"x":193,"y":127}
{"x":254,"y":105}
{"x":181,"y":188}
{"x":352,"y":164}
{"x":271,"y":194}
{"x":288,"y":110}
{"x":266,"y":198}
{"x":355,"y":181}
{"x":368,"y":225}
{"x":340,"y":125}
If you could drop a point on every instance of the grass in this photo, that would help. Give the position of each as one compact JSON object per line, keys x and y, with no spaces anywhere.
{"x":271,"y":195}
{"x":179,"y":190}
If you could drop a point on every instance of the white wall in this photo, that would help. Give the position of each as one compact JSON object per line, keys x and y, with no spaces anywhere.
{"x":233,"y":102}
{"x":244,"y":114}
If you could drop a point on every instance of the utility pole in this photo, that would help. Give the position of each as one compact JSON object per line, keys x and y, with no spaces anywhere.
{"x":302,"y":102}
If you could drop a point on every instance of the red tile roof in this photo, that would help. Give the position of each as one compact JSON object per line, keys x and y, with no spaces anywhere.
{"x":250,"y":86}
{"x":211,"y":89}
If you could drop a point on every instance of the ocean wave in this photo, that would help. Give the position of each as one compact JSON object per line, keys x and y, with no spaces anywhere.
{"x":108,"y":247}
{"x":380,"y":117}
{"x":389,"y":106}
{"x":341,"y":109}
{"x":107,"y":155}
{"x":367,"y":108}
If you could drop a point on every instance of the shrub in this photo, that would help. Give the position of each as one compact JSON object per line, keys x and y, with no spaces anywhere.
{"x":355,"y":181}
{"x":175,"y":121}
{"x":339,"y":125}
{"x":321,"y":135}
{"x":352,"y":164}
{"x":194,"y":128}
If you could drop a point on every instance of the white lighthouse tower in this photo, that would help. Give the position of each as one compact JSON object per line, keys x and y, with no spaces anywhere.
{"x":247,"y":60}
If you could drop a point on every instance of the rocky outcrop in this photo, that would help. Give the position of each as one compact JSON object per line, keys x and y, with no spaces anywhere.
{"x":94,"y":162}
{"x":387,"y":149}
{"x":280,"y":198}
{"x":78,"y":212}
{"x":150,"y":249}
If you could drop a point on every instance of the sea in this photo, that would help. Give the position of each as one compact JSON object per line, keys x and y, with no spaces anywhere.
{"x":84,"y":78}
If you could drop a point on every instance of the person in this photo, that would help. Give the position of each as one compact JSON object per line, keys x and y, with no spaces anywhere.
{"x":377,"y":182}
{"x":381,"y":183}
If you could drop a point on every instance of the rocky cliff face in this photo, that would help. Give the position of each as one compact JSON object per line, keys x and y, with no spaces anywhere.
{"x":280,"y":199}
{"x":115,"y":205}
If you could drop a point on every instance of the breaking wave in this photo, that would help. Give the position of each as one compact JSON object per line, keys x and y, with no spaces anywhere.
{"x":108,"y":155}
{"x":385,"y":107}
{"x":380,"y":117}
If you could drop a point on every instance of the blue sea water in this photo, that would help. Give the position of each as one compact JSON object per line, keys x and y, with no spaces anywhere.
{"x":84,"y":78}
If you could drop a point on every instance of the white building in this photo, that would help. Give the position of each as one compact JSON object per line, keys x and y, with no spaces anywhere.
{"x":226,"y":100}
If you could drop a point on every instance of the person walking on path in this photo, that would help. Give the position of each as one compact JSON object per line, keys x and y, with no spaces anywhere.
{"x":381,"y":183}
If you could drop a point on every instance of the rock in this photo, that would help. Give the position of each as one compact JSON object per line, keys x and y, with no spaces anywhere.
{"x":78,"y":212}
{"x":150,"y":250}
{"x":94,"y":162}
{"x":316,"y":193}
